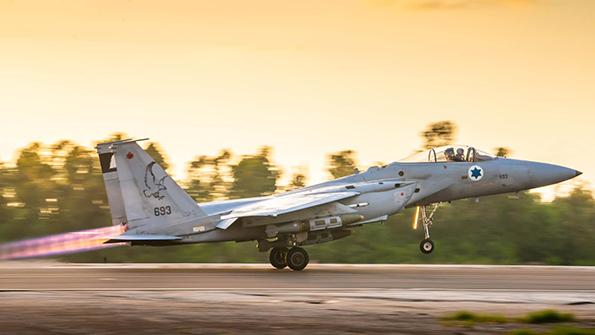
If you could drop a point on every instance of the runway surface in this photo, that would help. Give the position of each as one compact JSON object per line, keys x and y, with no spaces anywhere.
{"x":48,"y":276}
{"x":54,"y":298}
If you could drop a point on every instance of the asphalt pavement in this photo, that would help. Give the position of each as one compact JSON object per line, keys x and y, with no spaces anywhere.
{"x":54,"y":298}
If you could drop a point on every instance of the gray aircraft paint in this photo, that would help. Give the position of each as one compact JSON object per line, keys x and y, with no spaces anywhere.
{"x":157,"y":211}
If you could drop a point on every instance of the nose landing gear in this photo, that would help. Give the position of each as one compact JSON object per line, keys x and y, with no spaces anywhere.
{"x":426,"y":246}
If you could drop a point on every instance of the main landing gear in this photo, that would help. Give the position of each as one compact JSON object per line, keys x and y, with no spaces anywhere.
{"x":295,"y":258}
{"x":278,"y":257}
{"x":426,"y":245}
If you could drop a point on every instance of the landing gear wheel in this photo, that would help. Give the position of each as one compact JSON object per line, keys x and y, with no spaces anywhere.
{"x":278,"y":257}
{"x":297,"y":258}
{"x":426,"y":246}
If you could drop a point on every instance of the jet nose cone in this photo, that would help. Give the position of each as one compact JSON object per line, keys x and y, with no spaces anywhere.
{"x":543,"y":174}
{"x":577,"y":173}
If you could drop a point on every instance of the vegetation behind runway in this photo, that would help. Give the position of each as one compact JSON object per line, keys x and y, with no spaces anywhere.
{"x":58,"y":188}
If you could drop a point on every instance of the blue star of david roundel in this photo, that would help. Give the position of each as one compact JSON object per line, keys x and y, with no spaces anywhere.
{"x":475,"y":173}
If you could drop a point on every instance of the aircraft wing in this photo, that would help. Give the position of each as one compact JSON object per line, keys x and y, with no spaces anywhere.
{"x":285,"y":204}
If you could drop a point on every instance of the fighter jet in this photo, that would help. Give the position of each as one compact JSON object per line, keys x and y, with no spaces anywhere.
{"x":154,"y":210}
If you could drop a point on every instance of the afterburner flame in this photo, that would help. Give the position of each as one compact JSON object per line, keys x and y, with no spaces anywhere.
{"x":60,"y":244}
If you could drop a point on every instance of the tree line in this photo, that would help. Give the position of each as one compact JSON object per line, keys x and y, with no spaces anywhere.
{"x":58,"y":188}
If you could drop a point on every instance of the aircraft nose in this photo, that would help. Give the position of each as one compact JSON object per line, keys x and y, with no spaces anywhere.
{"x":543,"y":174}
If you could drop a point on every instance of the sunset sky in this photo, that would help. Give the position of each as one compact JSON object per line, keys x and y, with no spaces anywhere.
{"x":305,"y":77}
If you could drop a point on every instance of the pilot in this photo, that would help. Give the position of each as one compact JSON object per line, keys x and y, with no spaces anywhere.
{"x":449,"y":154}
{"x":460,"y":157}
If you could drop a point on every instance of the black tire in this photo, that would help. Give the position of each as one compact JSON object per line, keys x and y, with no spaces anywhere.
{"x":278,"y":257}
{"x":297,"y":258}
{"x":426,"y":246}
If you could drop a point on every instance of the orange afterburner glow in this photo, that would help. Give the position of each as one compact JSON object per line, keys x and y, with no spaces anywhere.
{"x":60,"y":244}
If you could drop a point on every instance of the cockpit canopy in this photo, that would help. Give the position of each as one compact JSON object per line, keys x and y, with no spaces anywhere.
{"x":450,"y":153}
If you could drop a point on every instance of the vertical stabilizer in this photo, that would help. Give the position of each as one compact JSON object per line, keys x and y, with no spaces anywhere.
{"x":139,"y":191}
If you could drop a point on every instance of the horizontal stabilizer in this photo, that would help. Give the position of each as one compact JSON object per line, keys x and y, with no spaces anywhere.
{"x":142,"y":238}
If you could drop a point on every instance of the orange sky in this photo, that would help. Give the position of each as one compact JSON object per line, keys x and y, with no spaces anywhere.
{"x":306,"y":77}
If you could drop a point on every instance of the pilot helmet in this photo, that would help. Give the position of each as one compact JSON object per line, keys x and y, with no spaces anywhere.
{"x":449,"y":153}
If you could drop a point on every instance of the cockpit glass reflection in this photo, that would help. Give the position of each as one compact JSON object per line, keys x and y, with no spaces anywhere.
{"x":450,"y":153}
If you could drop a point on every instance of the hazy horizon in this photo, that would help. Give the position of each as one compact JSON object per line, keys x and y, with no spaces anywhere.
{"x":306,"y":78}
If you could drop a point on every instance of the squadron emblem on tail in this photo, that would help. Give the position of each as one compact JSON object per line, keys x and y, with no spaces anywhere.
{"x":154,"y":186}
